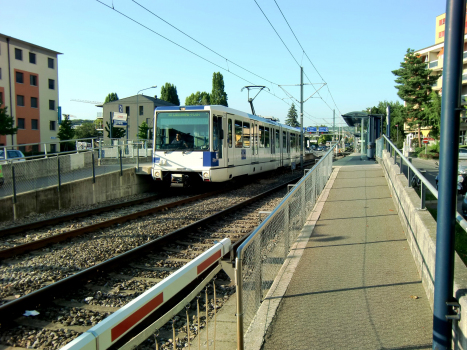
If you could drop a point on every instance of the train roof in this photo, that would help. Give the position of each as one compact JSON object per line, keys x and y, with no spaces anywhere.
{"x":226,"y":110}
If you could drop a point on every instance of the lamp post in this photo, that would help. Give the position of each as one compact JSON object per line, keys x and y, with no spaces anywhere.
{"x":137,"y":110}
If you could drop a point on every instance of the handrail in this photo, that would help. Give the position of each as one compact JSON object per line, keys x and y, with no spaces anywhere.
{"x":278,"y":207}
{"x":459,"y":218}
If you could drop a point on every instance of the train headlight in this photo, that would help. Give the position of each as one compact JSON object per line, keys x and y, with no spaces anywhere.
{"x":206,"y":174}
{"x":157,"y":173}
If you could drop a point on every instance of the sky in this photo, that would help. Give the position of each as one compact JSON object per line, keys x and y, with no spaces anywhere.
{"x":351,"y":46}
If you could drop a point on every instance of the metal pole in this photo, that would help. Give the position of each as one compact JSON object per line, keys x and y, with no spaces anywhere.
{"x":301,"y":117}
{"x":448,"y":158}
{"x":14,"y":182}
{"x":93,"y":169}
{"x":333,"y":123}
{"x":388,"y":125}
{"x":121,"y":164}
{"x":59,"y":180}
{"x":239,"y":283}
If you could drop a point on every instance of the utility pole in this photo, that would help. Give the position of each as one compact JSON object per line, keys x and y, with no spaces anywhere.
{"x":444,"y":315}
{"x":301,"y":117}
{"x":333,"y":124}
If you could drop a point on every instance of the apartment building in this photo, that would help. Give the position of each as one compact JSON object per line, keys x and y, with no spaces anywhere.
{"x":29,"y":88}
{"x":434,"y":58}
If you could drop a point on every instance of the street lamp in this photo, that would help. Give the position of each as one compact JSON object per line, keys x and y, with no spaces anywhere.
{"x":137,"y":110}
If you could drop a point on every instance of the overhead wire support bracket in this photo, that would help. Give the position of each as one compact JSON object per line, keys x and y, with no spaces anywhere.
{"x":250,"y":100}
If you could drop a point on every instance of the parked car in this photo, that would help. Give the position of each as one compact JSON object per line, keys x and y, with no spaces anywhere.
{"x":462,"y":153}
{"x":12,"y":155}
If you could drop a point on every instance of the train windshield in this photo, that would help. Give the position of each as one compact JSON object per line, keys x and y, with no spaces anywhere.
{"x":182,"y":131}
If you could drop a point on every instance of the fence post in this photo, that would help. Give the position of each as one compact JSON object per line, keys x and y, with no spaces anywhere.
{"x":409,"y":173}
{"x":121,"y":163}
{"x":58,"y":170}
{"x":45,"y":150}
{"x":14,"y":182}
{"x":422,"y":195}
{"x":93,"y":168}
{"x":239,"y":283}
{"x":137,"y":157}
{"x":286,"y":231}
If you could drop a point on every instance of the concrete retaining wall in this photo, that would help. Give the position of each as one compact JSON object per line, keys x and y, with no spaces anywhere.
{"x":420,"y":229}
{"x":82,"y":192}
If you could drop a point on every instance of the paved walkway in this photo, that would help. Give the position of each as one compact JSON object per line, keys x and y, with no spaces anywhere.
{"x":356,"y":285}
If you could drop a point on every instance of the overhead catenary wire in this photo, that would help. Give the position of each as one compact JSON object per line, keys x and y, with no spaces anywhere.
{"x":197,"y":55}
{"x":298,"y":41}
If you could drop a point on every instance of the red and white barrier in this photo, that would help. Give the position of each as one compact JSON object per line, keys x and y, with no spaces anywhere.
{"x":107,"y":332}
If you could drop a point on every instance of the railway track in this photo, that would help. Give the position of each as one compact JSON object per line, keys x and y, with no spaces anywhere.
{"x":110,"y":291}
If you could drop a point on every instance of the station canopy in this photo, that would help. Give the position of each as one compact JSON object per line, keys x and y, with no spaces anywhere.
{"x":354,"y":118}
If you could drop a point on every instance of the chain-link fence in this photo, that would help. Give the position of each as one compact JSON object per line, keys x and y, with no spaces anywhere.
{"x":261,"y":256}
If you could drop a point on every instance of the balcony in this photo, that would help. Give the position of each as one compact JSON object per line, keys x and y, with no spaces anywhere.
{"x":433,"y":64}
{"x":465,"y":55}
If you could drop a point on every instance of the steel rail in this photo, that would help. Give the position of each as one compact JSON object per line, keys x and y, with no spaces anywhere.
{"x":27,"y":247}
{"x":459,"y":218}
{"x":85,"y":213}
{"x":15,"y":308}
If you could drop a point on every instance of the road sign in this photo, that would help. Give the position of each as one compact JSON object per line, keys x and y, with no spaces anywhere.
{"x":425,"y":141}
{"x":120,"y":120}
{"x":120,"y":108}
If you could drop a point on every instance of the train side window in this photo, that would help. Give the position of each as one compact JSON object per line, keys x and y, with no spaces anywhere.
{"x":266,"y":137}
{"x":230,"y":133}
{"x":277,"y":140}
{"x":284,"y":139}
{"x":261,"y":136}
{"x":288,"y":142}
{"x":273,"y":150}
{"x":217,"y":131}
{"x":246,"y":135}
{"x":238,"y":134}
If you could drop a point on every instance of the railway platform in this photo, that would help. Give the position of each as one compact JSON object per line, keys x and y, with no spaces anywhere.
{"x":355,"y":284}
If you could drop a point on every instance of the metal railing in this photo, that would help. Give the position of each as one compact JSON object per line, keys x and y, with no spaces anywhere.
{"x":411,"y":171}
{"x":261,"y":256}
{"x":433,"y":64}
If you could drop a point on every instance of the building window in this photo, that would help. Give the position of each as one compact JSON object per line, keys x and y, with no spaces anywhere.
{"x":20,"y":100}
{"x":52,"y":105}
{"x":19,"y":77}
{"x":32,"y":58}
{"x":53,"y":148}
{"x":51,"y":84}
{"x":441,"y":34}
{"x":34,"y":102}
{"x":141,"y":110}
{"x":19,"y":54}
{"x":20,"y":123}
{"x":22,"y":149}
{"x":34,"y":124}
{"x":1,"y":98}
{"x":52,"y":125}
{"x":147,"y":121}
{"x":33,"y":80}
{"x":127,"y":110}
{"x":51,"y":62}
{"x":0,"y":73}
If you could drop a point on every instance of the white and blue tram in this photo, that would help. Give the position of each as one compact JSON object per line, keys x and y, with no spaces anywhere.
{"x":217,"y":143}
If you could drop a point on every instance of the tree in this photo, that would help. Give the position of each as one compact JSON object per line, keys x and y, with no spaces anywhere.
{"x":324,"y":138}
{"x":143,"y":132}
{"x":415,"y":85}
{"x":169,"y":94}
{"x":218,"y":95}
{"x":397,"y":118}
{"x":433,"y":113}
{"x":85,"y":130}
{"x":66,"y":132}
{"x":111,"y":97}
{"x":292,"y":117}
{"x":198,"y":99}
{"x":115,"y":132}
{"x":7,"y":123}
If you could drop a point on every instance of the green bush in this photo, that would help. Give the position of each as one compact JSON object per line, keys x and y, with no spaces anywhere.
{"x":434,"y":147}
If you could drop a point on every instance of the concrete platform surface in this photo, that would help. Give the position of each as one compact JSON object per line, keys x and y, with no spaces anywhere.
{"x":356,"y":285}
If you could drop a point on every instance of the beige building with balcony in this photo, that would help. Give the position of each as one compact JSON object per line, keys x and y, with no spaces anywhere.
{"x":434,"y":58}
{"x":29,"y":88}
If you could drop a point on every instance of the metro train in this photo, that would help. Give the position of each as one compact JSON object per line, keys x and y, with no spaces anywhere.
{"x":217,"y":144}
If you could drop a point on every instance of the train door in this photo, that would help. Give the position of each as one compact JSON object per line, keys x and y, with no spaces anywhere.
{"x":218,"y":138}
{"x":254,"y":141}
{"x":284,"y":148}
{"x":230,"y":148}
